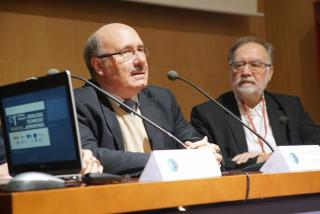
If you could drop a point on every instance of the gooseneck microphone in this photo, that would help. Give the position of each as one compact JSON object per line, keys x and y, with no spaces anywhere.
{"x":285,"y":121}
{"x":123,"y":106}
{"x":173,"y":75}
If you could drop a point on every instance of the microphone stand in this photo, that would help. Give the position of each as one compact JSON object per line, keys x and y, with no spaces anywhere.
{"x":129,"y":109}
{"x":285,"y":120}
{"x":221,"y":106}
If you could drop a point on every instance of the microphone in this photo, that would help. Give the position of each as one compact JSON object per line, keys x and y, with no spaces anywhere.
{"x":123,"y":106}
{"x":285,"y":121}
{"x":30,"y":78}
{"x":173,"y":75}
{"x":52,"y":71}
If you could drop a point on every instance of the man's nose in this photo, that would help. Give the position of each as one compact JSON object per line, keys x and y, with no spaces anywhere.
{"x":246,"y":70}
{"x":139,"y":58}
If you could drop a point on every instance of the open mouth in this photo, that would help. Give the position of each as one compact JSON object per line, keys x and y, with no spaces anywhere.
{"x":137,"y":72}
{"x":245,"y":82}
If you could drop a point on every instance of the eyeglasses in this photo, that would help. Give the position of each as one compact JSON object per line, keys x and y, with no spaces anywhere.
{"x":254,"y":66}
{"x":127,"y":54}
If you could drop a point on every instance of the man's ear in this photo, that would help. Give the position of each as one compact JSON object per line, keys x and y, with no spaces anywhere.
{"x":97,"y":65}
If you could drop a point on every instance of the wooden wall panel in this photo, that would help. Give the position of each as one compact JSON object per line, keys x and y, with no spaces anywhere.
{"x":290,"y":27}
{"x":38,"y":35}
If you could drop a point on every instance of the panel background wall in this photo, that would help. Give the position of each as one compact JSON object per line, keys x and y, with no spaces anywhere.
{"x":290,"y":27}
{"x":39,"y":35}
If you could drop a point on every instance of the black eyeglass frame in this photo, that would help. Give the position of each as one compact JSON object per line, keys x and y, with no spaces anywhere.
{"x":108,"y":55}
{"x":145,"y":50}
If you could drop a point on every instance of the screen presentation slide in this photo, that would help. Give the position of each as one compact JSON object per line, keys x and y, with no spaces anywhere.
{"x":27,"y":125}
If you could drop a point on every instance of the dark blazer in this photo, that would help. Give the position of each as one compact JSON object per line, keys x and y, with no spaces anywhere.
{"x":2,"y":150}
{"x":210,"y":120}
{"x":100,"y":131}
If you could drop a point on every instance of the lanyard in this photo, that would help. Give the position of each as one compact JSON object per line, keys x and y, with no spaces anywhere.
{"x":249,"y":118}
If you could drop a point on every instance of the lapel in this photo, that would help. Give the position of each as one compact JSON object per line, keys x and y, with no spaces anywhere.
{"x":275,"y":111}
{"x":237,"y":129}
{"x":150,"y":110}
{"x":111,"y":120}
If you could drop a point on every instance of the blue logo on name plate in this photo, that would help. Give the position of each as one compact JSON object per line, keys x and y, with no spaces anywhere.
{"x":294,"y":158}
{"x":173,"y":165}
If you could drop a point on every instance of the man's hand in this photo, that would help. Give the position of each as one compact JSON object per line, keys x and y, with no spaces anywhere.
{"x":244,"y":157}
{"x":90,"y":163}
{"x":204,"y":144}
{"x":4,"y":172}
{"x":263,"y":157}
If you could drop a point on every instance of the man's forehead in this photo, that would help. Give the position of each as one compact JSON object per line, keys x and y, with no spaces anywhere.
{"x":251,"y":49}
{"x":119,"y":38}
{"x":251,"y":46}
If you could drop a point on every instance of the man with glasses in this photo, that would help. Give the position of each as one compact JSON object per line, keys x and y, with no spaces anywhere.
{"x":117,"y":61}
{"x":250,"y":61}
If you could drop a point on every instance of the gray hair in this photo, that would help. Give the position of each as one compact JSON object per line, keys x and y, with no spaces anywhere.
{"x":91,"y":49}
{"x":250,"y":39}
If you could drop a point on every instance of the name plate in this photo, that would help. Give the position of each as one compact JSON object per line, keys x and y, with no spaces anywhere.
{"x":169,"y":165}
{"x":293,"y":159}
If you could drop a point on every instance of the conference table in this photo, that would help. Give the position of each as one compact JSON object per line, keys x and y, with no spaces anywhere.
{"x":233,"y":192}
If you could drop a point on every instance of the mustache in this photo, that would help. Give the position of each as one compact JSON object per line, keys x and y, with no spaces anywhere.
{"x":138,"y":68}
{"x":245,"y":79}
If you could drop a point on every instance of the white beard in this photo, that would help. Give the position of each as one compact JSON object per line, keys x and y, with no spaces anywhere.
{"x":247,"y":91}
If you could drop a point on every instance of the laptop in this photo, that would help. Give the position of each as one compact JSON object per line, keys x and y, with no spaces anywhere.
{"x":39,"y":125}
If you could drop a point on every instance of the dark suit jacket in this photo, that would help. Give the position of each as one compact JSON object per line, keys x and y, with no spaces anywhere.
{"x":100,"y":130}
{"x":2,"y":150}
{"x":210,"y":120}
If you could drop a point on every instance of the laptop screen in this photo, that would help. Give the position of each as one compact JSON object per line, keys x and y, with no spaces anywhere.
{"x":39,"y":125}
